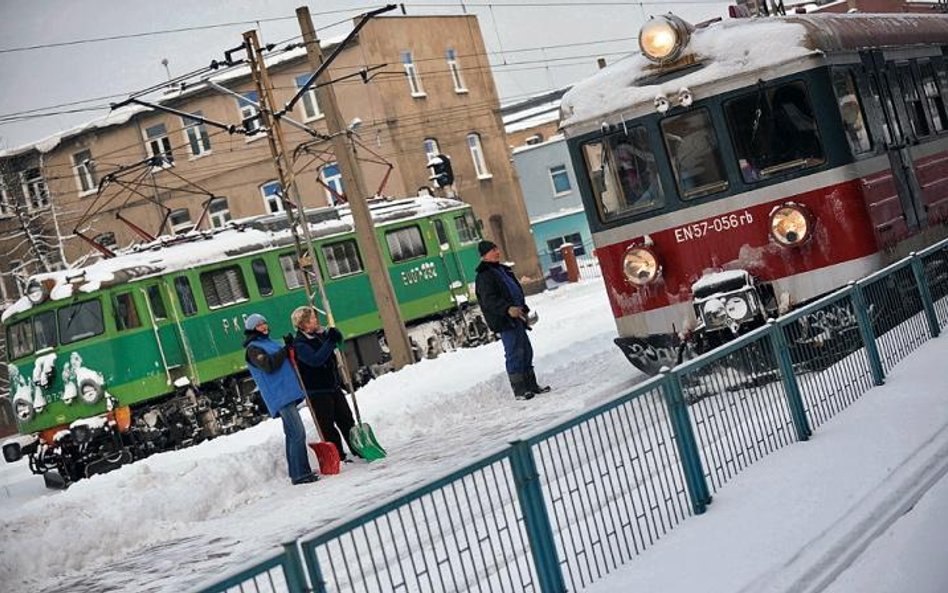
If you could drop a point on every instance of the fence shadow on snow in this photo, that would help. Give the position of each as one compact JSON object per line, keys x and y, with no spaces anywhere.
{"x":559,"y":510}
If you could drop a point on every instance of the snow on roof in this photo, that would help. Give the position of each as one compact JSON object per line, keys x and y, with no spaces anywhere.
{"x":727,"y":49}
{"x":561,"y":213}
{"x":532,"y":117}
{"x":526,"y":147}
{"x":168,"y":254}
{"x":117,"y":117}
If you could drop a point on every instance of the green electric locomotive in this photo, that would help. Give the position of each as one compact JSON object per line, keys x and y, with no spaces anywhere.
{"x":143,"y":353}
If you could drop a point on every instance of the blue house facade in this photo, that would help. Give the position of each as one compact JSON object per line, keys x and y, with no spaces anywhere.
{"x":553,"y":202}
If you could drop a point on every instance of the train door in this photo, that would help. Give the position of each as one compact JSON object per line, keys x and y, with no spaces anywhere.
{"x":901,"y":129}
{"x":166,"y":330}
{"x":449,"y":262}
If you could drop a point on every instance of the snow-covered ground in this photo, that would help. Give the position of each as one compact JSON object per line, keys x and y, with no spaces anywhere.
{"x":863,"y":502}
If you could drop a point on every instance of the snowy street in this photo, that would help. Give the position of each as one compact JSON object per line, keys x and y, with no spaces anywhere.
{"x":860,"y":507}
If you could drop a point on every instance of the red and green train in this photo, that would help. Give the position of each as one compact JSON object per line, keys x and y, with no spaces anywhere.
{"x":143,"y":353}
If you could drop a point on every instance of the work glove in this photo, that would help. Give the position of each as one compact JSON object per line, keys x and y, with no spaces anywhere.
{"x":288,"y":340}
{"x":334,"y":335}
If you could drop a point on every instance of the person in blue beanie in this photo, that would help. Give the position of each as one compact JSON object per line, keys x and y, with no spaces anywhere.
{"x":280,"y":388}
{"x":505,"y":310}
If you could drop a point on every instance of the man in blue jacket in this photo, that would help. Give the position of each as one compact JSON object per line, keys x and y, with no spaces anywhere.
{"x":505,"y":309}
{"x":281,"y":391}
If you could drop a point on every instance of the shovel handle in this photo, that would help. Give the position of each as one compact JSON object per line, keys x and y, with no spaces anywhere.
{"x":309,"y":406}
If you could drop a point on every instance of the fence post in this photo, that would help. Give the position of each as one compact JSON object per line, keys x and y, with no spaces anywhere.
{"x":918,"y":268}
{"x":536,"y":519}
{"x":569,"y":262}
{"x":868,"y":336}
{"x":685,"y":441}
{"x":779,"y":344}
{"x":293,"y":569}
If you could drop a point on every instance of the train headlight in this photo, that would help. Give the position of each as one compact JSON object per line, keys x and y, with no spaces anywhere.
{"x":790,"y":224}
{"x":23,"y":410}
{"x":36,"y":291}
{"x":663,"y":38}
{"x":714,"y":311}
{"x":640,"y":265}
{"x":736,"y":308}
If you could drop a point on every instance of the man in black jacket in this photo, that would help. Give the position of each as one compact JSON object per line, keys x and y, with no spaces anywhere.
{"x":314,"y":347}
{"x":502,"y":302}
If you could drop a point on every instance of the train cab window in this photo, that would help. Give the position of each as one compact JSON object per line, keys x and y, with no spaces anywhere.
{"x":20,"y":339}
{"x":292,"y":274}
{"x":466,"y":227}
{"x":406,"y":243}
{"x":774,"y":131}
{"x":441,"y":233}
{"x":892,"y":129}
{"x":695,"y":154}
{"x":80,"y":321}
{"x":157,"y":303}
{"x":126,"y":314}
{"x":624,"y":173}
{"x":851,"y":111}
{"x":913,"y":102}
{"x":44,"y":330}
{"x":262,"y":275}
{"x":342,"y":259}
{"x":224,"y":287}
{"x":934,"y":97}
{"x":182,"y":286}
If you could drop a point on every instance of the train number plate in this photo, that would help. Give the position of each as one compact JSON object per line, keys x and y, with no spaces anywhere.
{"x":719,"y":224}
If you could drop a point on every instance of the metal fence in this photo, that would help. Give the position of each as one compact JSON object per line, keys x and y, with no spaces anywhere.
{"x":560,"y":510}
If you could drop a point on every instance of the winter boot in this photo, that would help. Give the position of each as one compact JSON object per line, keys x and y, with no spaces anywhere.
{"x":518,"y":382}
{"x":532,"y":383}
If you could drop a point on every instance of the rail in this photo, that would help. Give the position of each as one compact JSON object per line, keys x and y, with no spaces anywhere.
{"x":559,"y":510}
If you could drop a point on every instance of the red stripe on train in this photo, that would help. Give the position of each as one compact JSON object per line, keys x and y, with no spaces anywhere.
{"x":740,"y":239}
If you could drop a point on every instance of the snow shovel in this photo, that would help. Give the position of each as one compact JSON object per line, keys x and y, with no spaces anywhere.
{"x":326,"y":453}
{"x":361,"y":436}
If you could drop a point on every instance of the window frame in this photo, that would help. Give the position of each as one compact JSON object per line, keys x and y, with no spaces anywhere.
{"x":55,"y":329}
{"x":579,"y":248}
{"x":455,"y":68}
{"x":153,"y":295}
{"x":13,"y":352}
{"x":125,"y":322}
{"x":251,"y":114}
{"x":723,"y":184}
{"x":7,"y":207}
{"x":476,"y":148}
{"x":209,"y":280}
{"x":159,"y":144}
{"x":186,"y":300}
{"x":271,"y":199}
{"x":35,"y":190}
{"x":310,"y":103}
{"x":850,"y":77}
{"x":299,"y":281}
{"x":563,"y":172}
{"x":178,"y":228}
{"x":261,"y":271}
{"x":195,"y":134}
{"x":352,"y":254}
{"x":412,"y":246}
{"x":469,"y":223}
{"x":431,"y":148}
{"x":412,"y":75}
{"x":220,"y":217}
{"x":79,"y":337}
{"x":334,"y":181}
{"x":84,"y":172}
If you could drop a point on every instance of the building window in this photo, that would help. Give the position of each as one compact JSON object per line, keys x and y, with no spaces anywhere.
{"x":196,"y":133}
{"x":84,"y":169}
{"x":224,"y":287}
{"x":219,"y":212}
{"x":272,"y":197}
{"x":455,"y":69}
{"x":311,"y":108}
{"x":332,"y":178}
{"x":554,"y":246}
{"x":292,"y":274}
{"x":431,"y":149}
{"x":342,"y":259}
{"x":249,"y":113}
{"x":34,"y":189}
{"x":262,"y":275}
{"x":159,"y":145}
{"x":411,"y":73}
{"x":180,"y":220}
{"x":6,"y":203}
{"x":406,"y":243}
{"x":182,"y":286}
{"x":560,"y":179}
{"x":477,"y":156}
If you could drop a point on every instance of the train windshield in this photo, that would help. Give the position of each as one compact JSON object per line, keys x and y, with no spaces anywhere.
{"x":774,"y":131}
{"x":624,"y":173}
{"x":80,"y":321}
{"x":695,"y":154}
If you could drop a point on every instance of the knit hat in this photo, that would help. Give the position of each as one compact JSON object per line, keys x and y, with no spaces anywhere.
{"x":253,"y":321}
{"x":484,"y":247}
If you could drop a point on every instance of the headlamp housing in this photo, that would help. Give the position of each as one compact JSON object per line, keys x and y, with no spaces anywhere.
{"x":791,"y":224}
{"x":640,"y":265}
{"x":664,"y":38}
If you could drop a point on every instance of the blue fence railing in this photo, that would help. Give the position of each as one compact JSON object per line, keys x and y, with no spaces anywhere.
{"x":561,"y":509}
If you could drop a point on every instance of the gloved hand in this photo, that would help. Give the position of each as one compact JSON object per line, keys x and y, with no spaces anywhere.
{"x":515,"y":312}
{"x":334,"y":335}
{"x":288,"y":340}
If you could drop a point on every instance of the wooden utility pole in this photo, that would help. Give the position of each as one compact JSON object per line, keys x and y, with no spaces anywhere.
{"x":345,"y":150}
{"x":274,"y":130}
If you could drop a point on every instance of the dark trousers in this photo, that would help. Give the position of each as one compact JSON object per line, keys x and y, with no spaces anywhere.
{"x":332,"y":411}
{"x":518,"y":352}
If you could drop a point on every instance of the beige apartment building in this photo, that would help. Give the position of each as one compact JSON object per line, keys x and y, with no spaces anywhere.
{"x":429,"y":91}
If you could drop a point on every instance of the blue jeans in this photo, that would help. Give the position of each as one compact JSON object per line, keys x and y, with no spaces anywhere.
{"x":297,"y":458}
{"x":518,"y":352}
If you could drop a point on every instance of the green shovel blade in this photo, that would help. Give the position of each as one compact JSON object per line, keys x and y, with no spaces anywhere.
{"x":364,"y":442}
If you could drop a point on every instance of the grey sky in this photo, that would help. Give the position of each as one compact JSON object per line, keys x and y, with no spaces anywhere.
{"x":535,"y":45}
